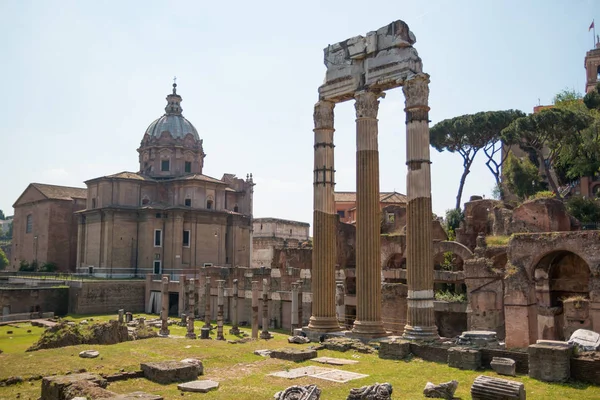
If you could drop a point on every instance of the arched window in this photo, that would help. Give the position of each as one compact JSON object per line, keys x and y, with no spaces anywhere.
{"x":209,"y":204}
{"x":29,"y":224}
{"x":236,"y":208}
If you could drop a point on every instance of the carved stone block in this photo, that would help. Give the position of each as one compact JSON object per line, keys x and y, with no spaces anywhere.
{"x":309,"y":392}
{"x":378,"y":391}
{"x":442,"y":391}
{"x":488,"y":388}
{"x":464,"y":358}
{"x":504,"y":366}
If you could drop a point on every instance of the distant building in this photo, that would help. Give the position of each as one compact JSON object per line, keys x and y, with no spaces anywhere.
{"x":273,"y":233}
{"x":5,"y":225}
{"x":45,"y":226}
{"x":345,"y":204}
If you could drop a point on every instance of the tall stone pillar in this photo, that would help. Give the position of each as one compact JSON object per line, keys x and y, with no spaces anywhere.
{"x":254,"y":309}
{"x":164,"y":312}
{"x":235,"y":330}
{"x":300,"y":303}
{"x":340,"y":303}
{"x":294,"y":313}
{"x":265,"y":315}
{"x":192,"y":305}
{"x":220,"y":304}
{"x":324,"y":223}
{"x":207,"y":303}
{"x":368,"y":321}
{"x":420,"y":321}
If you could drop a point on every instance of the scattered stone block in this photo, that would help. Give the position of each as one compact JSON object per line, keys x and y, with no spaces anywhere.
{"x":89,"y":354}
{"x":301,"y":372}
{"x":262,"y":353}
{"x":196,"y":362}
{"x":334,"y":361}
{"x":204,"y":333}
{"x":442,"y":391}
{"x":504,"y":366}
{"x":337,"y":375}
{"x":479,"y":339}
{"x":166,"y":372}
{"x":296,"y":355}
{"x":198,"y":386}
{"x":345,"y":344}
{"x":378,"y":391}
{"x":464,"y":358}
{"x":54,"y":387}
{"x":394,"y":349}
{"x":585,"y":340}
{"x":550,"y":361}
{"x":310,"y":392}
{"x":137,"y":396}
{"x":298,"y":339}
{"x":488,"y":388}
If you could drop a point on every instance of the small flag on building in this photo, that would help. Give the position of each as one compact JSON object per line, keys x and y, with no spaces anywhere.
{"x":591,"y":26}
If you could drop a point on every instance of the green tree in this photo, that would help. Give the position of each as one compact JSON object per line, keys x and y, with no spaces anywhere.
{"x":453,"y":219}
{"x":522,"y":177}
{"x":592,"y":99}
{"x":584,"y":209}
{"x":3,"y":260}
{"x":567,"y":98}
{"x":546,"y":134}
{"x":2,"y":216}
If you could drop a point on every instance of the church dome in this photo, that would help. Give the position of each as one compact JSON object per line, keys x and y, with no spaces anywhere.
{"x":172,"y":121}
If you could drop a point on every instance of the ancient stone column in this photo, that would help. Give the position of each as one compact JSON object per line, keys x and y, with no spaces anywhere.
{"x":420,"y":321}
{"x":220,"y":303}
{"x":340,"y":305}
{"x":300,"y":304}
{"x":368,"y":321}
{"x":121,"y":315}
{"x":294,"y":295}
{"x":164,"y":313}
{"x":235,"y":330}
{"x":324,"y":223}
{"x":265,"y":315}
{"x":254,"y":309}
{"x":192,"y":305}
{"x":207,"y":303}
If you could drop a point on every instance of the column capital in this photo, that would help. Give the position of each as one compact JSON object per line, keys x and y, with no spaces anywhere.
{"x":416,"y":91}
{"x":366,"y":104}
{"x":323,"y":114}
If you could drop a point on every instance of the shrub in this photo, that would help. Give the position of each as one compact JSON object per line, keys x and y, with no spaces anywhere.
{"x":544,"y":194}
{"x":3,"y":260}
{"x":584,"y":209}
{"x":48,"y":267}
{"x":453,"y":219}
{"x":450,"y":297}
{"x":26,"y":267}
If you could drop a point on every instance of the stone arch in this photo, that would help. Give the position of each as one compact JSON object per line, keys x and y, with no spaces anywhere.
{"x":459,"y":249}
{"x":539,"y":257}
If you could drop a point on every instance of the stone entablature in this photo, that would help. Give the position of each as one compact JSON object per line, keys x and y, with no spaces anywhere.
{"x":280,"y":228}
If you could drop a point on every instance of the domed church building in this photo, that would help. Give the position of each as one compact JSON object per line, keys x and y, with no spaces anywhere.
{"x":167,"y":218}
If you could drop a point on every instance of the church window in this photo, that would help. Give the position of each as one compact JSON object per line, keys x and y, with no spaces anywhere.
{"x":29,"y":224}
{"x":157,"y":238}
{"x":188,"y":166}
{"x":188,"y":202}
{"x":186,"y":238}
{"x":164,"y":165}
{"x":209,"y":204}
{"x":236,"y":208}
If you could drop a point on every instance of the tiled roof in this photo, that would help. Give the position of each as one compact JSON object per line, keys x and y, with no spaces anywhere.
{"x":128,"y":175}
{"x":384,"y":197}
{"x":200,"y":177}
{"x":60,"y":192}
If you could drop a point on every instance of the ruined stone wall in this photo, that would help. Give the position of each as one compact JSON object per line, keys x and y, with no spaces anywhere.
{"x":106,"y":297}
{"x":27,"y":299}
{"x":540,"y":215}
{"x":394,"y":307}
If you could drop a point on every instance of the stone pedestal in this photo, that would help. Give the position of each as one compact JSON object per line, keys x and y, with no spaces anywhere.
{"x":420,"y":321}
{"x":488,"y":388}
{"x":121,"y":316}
{"x":504,"y":366}
{"x":204,"y":333}
{"x":323,"y":317}
{"x":207,"y":286}
{"x":164,"y":313}
{"x":235,"y":330}
{"x":550,"y":361}
{"x":220,"y":303}
{"x":393,"y":349}
{"x":265,"y":317}
{"x":183,"y":321}
{"x":254,"y":309}
{"x":464,"y":358}
{"x":192,"y":306}
{"x":368,"y":321}
{"x":128,"y":317}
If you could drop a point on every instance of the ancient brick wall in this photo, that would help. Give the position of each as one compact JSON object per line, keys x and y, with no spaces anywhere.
{"x":429,"y":353}
{"x":540,"y":215}
{"x":107,"y":297}
{"x":585,"y":370}
{"x":26,"y":300}
{"x":521,"y":358}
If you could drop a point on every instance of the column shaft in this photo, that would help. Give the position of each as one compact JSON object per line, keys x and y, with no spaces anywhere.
{"x":323,"y":317}
{"x":368,"y":257}
{"x":420,"y":322}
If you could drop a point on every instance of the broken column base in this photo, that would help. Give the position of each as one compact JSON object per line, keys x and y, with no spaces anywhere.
{"x":488,"y":388}
{"x":318,"y":335}
{"x":234,"y":331}
{"x":421,"y":333}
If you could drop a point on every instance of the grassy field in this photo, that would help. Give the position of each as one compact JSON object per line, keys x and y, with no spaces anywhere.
{"x":241,"y":374}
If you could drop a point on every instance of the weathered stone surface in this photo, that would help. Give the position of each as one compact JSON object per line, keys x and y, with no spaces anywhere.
{"x":550,"y":362}
{"x":345,"y":344}
{"x":298,"y":339}
{"x":337,"y":375}
{"x":198,"y":386}
{"x":301,"y":372}
{"x":479,"y":339}
{"x":334,"y":361}
{"x":85,"y":389}
{"x":488,"y":388}
{"x":442,"y":391}
{"x":262,"y":353}
{"x":54,"y":387}
{"x":89,"y":354}
{"x":394,"y":349}
{"x":66,"y":334}
{"x":170,"y":371}
{"x":309,"y":392}
{"x":294,"y":354}
{"x":136,"y":396}
{"x":504,"y":366}
{"x":196,"y":362}
{"x":378,"y":391}
{"x":585,"y":340}
{"x":464,"y":358}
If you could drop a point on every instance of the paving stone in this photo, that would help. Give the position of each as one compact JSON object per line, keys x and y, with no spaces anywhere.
{"x":334,"y":361}
{"x":338,"y":375}
{"x":136,"y":396}
{"x":198,"y":386}
{"x":301,"y":372}
{"x":89,"y":354}
{"x":296,"y":355}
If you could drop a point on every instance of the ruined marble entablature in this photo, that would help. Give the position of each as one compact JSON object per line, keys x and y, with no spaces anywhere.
{"x":382,"y":60}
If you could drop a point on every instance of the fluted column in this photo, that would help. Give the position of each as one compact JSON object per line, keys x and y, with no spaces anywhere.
{"x":323,"y":317}
{"x":420,"y":321}
{"x":254,"y":309}
{"x":220,"y":304}
{"x":368,"y":321}
{"x":164,"y":313}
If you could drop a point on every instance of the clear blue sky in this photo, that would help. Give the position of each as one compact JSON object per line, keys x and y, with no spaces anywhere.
{"x":83,"y":80}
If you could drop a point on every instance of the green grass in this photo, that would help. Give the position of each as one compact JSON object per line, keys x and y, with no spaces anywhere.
{"x":241,"y":374}
{"x":497,"y":240}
